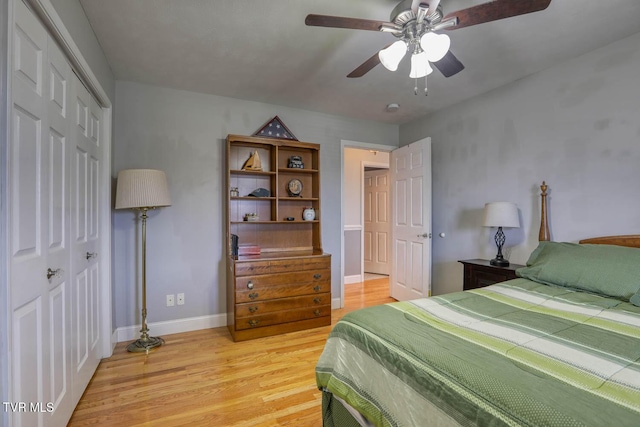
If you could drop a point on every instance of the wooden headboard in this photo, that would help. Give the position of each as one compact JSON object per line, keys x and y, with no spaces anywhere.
{"x":629,"y":240}
{"x":544,"y":234}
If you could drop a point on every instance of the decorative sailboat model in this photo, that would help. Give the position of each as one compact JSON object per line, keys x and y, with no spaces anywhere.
{"x":253,"y":163}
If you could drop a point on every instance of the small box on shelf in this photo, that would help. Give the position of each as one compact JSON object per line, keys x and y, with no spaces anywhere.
{"x":248,"y":249}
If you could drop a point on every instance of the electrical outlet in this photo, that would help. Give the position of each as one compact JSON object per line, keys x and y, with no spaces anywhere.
{"x":180,"y":299}
{"x":171,"y":301}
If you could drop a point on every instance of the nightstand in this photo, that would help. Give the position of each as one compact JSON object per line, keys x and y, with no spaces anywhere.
{"x":479,"y":273}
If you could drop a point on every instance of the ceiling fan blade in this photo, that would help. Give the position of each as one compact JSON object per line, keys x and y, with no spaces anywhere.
{"x":342,"y":22}
{"x":494,"y":10}
{"x":365,"y":67}
{"x":449,"y":65}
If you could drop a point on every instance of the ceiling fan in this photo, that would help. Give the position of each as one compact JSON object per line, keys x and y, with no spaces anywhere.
{"x":416,"y":23}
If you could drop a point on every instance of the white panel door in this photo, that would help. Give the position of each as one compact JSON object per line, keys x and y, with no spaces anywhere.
{"x":377,"y":233}
{"x":410,"y":276}
{"x":39,"y":227}
{"x":85,"y":236}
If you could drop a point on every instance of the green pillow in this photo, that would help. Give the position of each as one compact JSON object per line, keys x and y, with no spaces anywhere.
{"x":603,"y":269}
{"x":635,"y":299}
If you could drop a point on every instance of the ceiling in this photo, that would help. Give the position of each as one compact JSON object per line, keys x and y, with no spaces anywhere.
{"x":262,"y":51}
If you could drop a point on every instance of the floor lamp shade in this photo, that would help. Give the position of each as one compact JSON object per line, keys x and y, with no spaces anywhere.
{"x":142,"y":188}
{"x":500,"y":214}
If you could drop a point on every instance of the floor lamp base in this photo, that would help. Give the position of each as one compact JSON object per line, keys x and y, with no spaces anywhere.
{"x":144,"y":345}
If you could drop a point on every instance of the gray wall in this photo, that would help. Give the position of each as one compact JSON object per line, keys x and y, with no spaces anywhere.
{"x":574,"y":125}
{"x":352,"y":252}
{"x":183,"y":133}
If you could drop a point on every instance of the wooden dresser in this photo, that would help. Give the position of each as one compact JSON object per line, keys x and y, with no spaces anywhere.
{"x":278,"y":295}
{"x":286,"y":286}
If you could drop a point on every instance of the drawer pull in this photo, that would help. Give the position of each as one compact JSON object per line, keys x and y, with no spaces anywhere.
{"x":317,"y":300}
{"x":317,"y":276}
{"x":253,"y":295}
{"x":250,"y":284}
{"x":317,"y":312}
{"x":317,"y":288}
{"x":253,"y":323}
{"x":253,"y":309}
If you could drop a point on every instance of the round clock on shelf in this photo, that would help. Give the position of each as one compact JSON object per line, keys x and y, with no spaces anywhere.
{"x":294,"y":187}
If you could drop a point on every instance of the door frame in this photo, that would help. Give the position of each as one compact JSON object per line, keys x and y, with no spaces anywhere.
{"x":47,"y":13}
{"x":363,"y":146}
{"x":368,"y":164}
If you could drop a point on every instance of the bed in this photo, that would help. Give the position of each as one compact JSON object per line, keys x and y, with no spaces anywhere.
{"x":559,"y":346}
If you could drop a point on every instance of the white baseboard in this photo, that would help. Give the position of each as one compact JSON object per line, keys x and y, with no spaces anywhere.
{"x":356,"y":278}
{"x":128,"y":333}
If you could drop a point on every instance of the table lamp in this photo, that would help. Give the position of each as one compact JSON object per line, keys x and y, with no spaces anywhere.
{"x":500,"y":214}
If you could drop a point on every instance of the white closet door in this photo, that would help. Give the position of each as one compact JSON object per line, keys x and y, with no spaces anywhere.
{"x":39,"y":227}
{"x":85,"y":208}
{"x":54,"y":171}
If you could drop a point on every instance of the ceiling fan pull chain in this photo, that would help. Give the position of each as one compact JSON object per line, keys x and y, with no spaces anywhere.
{"x":415,"y":89}
{"x":425,"y":86}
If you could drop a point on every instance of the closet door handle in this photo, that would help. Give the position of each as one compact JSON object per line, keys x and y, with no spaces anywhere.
{"x":52,"y":273}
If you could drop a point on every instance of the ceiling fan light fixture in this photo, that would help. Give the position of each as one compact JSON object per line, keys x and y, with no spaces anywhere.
{"x":391,"y":56}
{"x":420,"y":66}
{"x":435,"y":45}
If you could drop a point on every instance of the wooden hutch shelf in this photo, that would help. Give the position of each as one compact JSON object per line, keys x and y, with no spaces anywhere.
{"x":287,"y":287}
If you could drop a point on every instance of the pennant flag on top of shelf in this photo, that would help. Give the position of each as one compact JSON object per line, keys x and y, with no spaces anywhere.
{"x":274,"y":128}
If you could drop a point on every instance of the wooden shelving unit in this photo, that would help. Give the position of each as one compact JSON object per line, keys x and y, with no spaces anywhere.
{"x":303,"y":298}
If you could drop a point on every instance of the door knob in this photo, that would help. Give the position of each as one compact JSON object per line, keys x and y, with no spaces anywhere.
{"x":425,"y":235}
{"x":51,"y":273}
{"x":91,"y":255}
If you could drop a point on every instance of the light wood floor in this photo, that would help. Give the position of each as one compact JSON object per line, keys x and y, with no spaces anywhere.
{"x":204,"y":378}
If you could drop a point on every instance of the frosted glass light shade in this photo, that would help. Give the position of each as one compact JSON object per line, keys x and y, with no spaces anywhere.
{"x":391,"y":56}
{"x":142,"y":188}
{"x":501,"y":214}
{"x":420,"y":66}
{"x":435,"y":45}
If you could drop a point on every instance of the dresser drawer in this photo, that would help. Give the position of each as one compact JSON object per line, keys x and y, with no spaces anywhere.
{"x":297,"y":278}
{"x":252,"y":268}
{"x":285,"y":316}
{"x":281,"y":291}
{"x":263,"y":307}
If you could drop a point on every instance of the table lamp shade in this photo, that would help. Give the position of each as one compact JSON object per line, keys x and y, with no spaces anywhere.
{"x":501,"y":214}
{"x":142,"y":188}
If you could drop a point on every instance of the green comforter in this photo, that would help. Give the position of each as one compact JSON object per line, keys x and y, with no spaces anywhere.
{"x":515,"y":353}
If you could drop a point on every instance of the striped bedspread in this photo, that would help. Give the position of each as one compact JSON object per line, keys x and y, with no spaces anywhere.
{"x":516,"y":353}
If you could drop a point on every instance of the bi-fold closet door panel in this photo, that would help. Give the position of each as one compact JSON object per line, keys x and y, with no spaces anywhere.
{"x":54,"y":285}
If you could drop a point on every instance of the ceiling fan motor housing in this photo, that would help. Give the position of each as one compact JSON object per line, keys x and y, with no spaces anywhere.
{"x":402,"y":13}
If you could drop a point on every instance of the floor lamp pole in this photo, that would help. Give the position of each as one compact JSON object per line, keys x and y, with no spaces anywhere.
{"x":145,"y":342}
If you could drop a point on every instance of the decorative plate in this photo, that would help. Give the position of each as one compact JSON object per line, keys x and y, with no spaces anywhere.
{"x":294,"y":187}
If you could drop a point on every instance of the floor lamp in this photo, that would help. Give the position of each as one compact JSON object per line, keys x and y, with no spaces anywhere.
{"x":143,"y":189}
